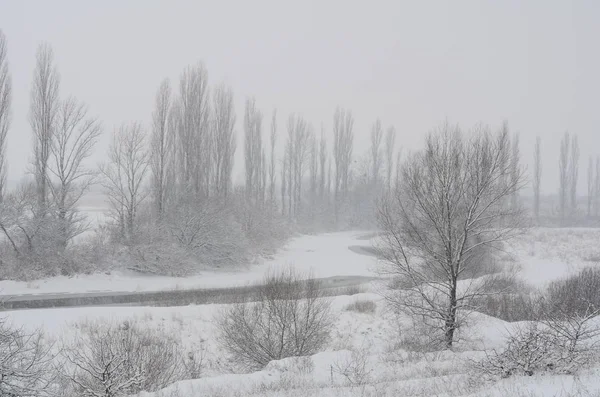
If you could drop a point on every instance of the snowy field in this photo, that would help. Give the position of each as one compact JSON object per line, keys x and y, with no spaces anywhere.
{"x":364,"y":356}
{"x":361,"y":359}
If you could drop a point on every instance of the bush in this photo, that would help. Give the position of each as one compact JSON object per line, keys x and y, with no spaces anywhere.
{"x":576,"y":293}
{"x":120,"y":359}
{"x":25,"y":363}
{"x":559,"y":345}
{"x":362,"y":306}
{"x":284,"y":317}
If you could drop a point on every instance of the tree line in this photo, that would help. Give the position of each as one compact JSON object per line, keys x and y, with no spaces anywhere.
{"x":172,"y":202}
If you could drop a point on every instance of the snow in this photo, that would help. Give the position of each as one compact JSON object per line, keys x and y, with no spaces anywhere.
{"x":325,"y":255}
{"x":369,"y":339}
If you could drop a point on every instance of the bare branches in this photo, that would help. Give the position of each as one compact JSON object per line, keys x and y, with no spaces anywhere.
{"x":74,"y":137}
{"x":5,"y":115}
{"x":224,"y":140}
{"x":160,"y":154}
{"x":448,"y":209}
{"x":390,"y":141}
{"x":25,"y":363}
{"x":124,"y":176}
{"x":42,"y":117}
{"x":376,"y":135}
{"x":343,"y":144}
{"x":537,"y":177}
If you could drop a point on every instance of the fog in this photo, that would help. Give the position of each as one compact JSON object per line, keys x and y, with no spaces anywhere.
{"x":412,"y":64}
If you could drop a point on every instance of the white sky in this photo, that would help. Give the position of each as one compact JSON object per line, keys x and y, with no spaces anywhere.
{"x":413,"y":63}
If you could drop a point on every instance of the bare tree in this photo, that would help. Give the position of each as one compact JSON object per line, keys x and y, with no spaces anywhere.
{"x":515,"y":170}
{"x":573,"y":175}
{"x":537,"y":177}
{"x":298,"y":151}
{"x":590,"y":186}
{"x":42,"y":117}
{"x":224,"y":143}
{"x":5,"y":116}
{"x":124,"y":175}
{"x":74,"y":137}
{"x":322,"y":164}
{"x":160,"y":147}
{"x":390,"y":142}
{"x":192,"y":143}
{"x":272,"y":162}
{"x":343,"y":144}
{"x":564,"y":177}
{"x":597,"y":188}
{"x":446,"y":214}
{"x":376,"y":135}
{"x":253,"y":151}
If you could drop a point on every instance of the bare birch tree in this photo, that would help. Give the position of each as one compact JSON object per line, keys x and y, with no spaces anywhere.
{"x":124,"y":176}
{"x":160,"y":147}
{"x":74,"y":137}
{"x":376,"y":135}
{"x":390,"y":142}
{"x":224,"y":143}
{"x":42,"y":117}
{"x":5,"y":115}
{"x":564,"y":177}
{"x":447,"y":209}
{"x":537,"y":177}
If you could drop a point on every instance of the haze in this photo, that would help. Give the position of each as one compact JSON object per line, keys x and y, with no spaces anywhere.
{"x":412,"y":64}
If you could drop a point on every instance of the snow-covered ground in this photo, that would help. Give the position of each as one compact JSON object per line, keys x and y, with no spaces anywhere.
{"x":369,"y":338}
{"x":323,"y":255}
{"x":541,"y":255}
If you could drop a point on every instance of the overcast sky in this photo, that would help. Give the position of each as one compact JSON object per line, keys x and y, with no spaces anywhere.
{"x":412,"y":64}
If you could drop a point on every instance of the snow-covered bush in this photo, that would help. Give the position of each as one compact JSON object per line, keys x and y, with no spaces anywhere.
{"x":114,"y":360}
{"x":25,"y":363}
{"x":559,"y":345}
{"x":576,"y":293}
{"x":284,"y":317}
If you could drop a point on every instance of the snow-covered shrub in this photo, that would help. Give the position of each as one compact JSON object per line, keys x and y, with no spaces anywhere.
{"x":529,"y":350}
{"x":576,"y":293}
{"x":362,"y":306}
{"x":25,"y":363}
{"x":558,"y":344}
{"x":286,"y":316}
{"x":113,"y":360}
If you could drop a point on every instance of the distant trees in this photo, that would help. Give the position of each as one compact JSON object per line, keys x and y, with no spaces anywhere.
{"x":343,"y":145}
{"x":43,"y":111}
{"x":73,"y":140}
{"x":161,"y":147}
{"x":376,"y":136}
{"x":224,"y":143}
{"x":568,"y":176}
{"x":443,"y":217}
{"x":537,"y":177}
{"x":564,"y":177}
{"x":5,"y":115}
{"x":390,"y":141}
{"x":573,"y":175}
{"x":124,"y":176}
